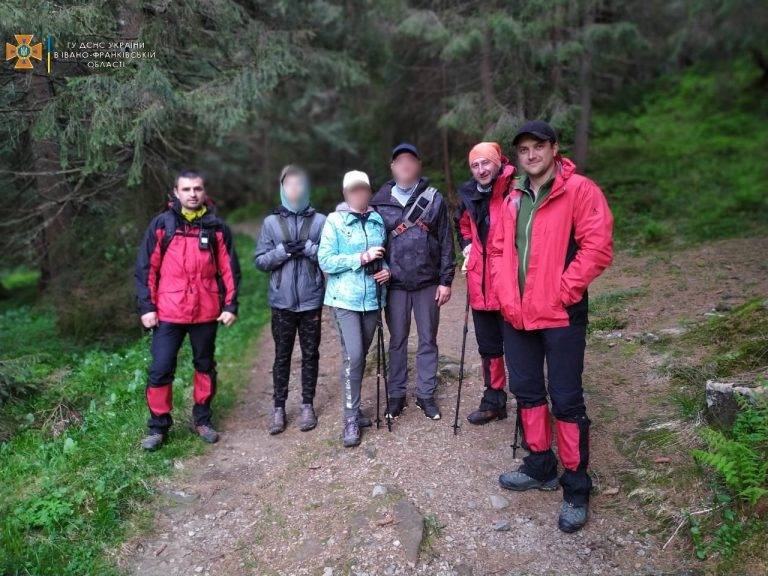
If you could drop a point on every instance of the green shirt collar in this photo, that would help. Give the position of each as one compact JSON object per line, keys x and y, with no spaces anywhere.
{"x":523,"y":182}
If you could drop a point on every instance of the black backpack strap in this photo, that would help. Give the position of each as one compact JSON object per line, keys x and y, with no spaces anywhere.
{"x":416,"y":212}
{"x":284,"y":228}
{"x":169,"y":225}
{"x":306,"y":226}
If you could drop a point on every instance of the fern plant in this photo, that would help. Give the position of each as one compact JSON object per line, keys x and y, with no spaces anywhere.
{"x":741,"y":455}
{"x":740,"y":458}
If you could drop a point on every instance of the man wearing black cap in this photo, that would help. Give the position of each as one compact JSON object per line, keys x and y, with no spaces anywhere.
{"x":421,"y":261}
{"x":555,"y":238}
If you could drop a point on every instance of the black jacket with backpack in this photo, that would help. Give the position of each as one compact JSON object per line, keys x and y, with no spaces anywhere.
{"x":419,"y":253}
{"x":296,"y":282}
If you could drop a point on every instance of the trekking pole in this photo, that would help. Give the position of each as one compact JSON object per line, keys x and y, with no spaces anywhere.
{"x":382,"y":353}
{"x":378,"y":362}
{"x":515,"y":444}
{"x":461,"y":365}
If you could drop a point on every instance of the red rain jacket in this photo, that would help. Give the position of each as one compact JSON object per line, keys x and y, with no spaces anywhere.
{"x":571,"y":244}
{"x":481,"y":293}
{"x":181,"y":282}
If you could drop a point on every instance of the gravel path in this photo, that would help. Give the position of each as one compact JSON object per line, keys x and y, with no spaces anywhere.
{"x":299,"y":503}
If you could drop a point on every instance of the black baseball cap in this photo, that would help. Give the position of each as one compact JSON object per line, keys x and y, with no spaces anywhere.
{"x":405,"y":147}
{"x":538,"y":129}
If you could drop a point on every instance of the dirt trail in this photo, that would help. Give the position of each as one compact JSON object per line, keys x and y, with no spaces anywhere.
{"x":299,"y":503}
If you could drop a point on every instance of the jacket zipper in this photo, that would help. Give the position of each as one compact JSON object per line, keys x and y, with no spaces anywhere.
{"x":527,"y":243}
{"x":365,"y":279}
{"x":296,"y":266}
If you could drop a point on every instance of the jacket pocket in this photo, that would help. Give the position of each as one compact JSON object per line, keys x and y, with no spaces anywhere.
{"x":277,"y":277}
{"x":171,"y":301}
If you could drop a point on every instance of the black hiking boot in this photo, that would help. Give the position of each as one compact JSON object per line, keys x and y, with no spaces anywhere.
{"x":519,"y":481}
{"x":396,"y":407}
{"x":363,"y":421}
{"x":207,"y":433}
{"x":429,"y":408}
{"x":479,"y":417}
{"x":572,"y":518}
{"x":152,"y":441}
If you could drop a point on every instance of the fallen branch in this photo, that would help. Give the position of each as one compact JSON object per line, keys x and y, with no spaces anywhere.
{"x":683,"y":521}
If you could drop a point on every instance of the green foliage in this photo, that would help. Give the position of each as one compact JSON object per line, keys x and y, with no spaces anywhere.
{"x":741,"y":456}
{"x":688,"y":164}
{"x":74,"y":478}
{"x":740,"y":459}
{"x":740,"y":338}
{"x":722,"y":532}
{"x":606,"y":311}
{"x":734,"y":462}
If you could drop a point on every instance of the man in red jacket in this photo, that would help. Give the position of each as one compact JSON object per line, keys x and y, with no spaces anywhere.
{"x":187,"y":278}
{"x":555,"y":238}
{"x":480,"y":200}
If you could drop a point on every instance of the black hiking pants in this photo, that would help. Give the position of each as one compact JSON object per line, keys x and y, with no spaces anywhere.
{"x":285,"y":325}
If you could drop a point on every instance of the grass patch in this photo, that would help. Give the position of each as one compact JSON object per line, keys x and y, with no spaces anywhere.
{"x":69,"y":496}
{"x":661,"y":162}
{"x":433,"y":529}
{"x":607,"y":311}
{"x":739,"y":339}
{"x":719,"y":494}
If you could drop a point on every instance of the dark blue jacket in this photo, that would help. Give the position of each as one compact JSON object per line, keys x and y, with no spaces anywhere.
{"x":417,"y":258}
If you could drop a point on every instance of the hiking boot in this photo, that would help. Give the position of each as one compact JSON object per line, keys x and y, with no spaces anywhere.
{"x":351,"y":432}
{"x":396,"y":407}
{"x":308,"y":419}
{"x":479,"y":417}
{"x":363,"y":421}
{"x":152,"y":441}
{"x":277,"y":424}
{"x":429,"y":408}
{"x":207,"y":433}
{"x":519,"y":481}
{"x":572,"y":518}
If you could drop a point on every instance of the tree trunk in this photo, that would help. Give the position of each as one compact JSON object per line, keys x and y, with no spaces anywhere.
{"x":581,"y":141}
{"x":486,"y":75}
{"x":52,"y":188}
{"x":557,"y":67}
{"x":445,"y":145}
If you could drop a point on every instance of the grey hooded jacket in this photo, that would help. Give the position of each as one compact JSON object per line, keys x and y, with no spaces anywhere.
{"x":295,"y":283}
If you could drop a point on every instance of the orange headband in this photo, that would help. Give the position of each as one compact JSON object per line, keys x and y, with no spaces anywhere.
{"x":488,"y":150}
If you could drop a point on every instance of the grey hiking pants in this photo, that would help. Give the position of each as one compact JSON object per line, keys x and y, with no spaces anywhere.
{"x":400,"y":303}
{"x":356,"y":332}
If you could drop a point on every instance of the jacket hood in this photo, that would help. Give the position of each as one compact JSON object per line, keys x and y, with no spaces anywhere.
{"x":344,"y":207}
{"x":303,"y":201}
{"x":566,"y":166}
{"x":285,"y":212}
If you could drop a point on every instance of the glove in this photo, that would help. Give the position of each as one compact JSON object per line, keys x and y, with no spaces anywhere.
{"x":294,"y":248}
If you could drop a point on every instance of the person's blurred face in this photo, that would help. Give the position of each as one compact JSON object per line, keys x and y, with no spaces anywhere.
{"x":406,"y":168}
{"x":357,"y":197}
{"x":484,"y":171}
{"x":536,"y":157}
{"x":190,"y":192}
{"x":293,"y":185}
